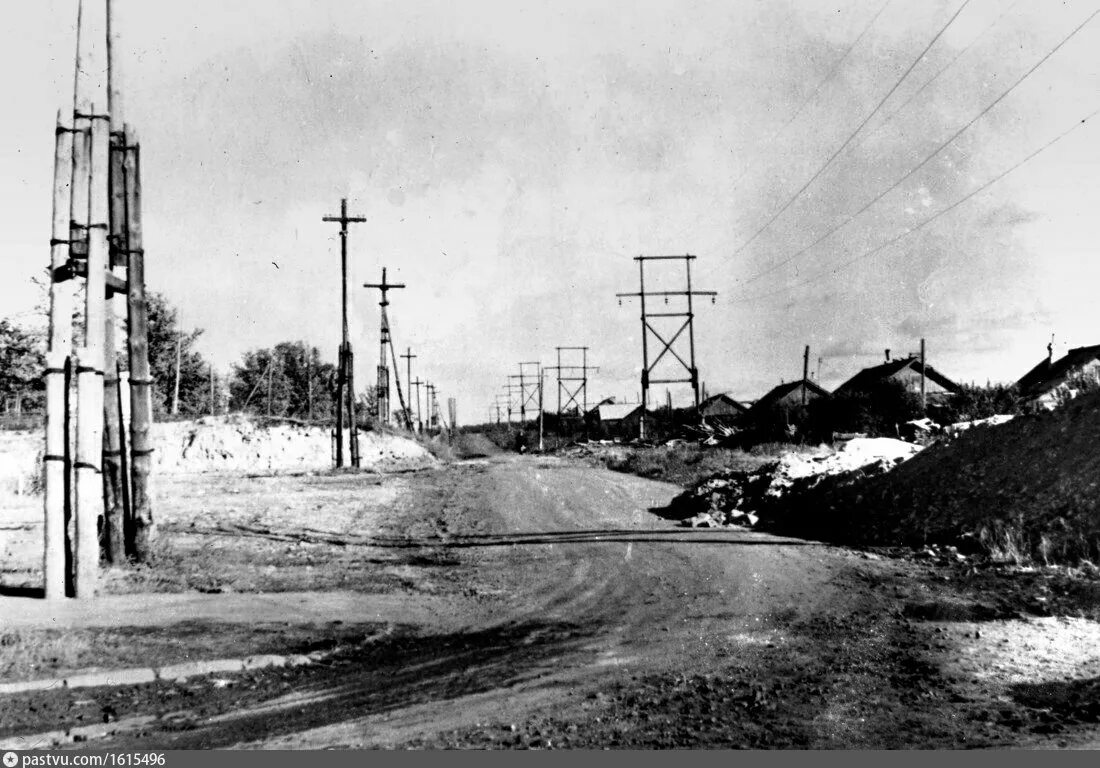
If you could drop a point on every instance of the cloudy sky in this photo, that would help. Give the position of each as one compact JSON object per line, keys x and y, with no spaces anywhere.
{"x":513,"y":157}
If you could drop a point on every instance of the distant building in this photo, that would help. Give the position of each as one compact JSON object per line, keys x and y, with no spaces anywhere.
{"x":788,"y":396}
{"x":1050,"y":380}
{"x":722,"y":409}
{"x":721,"y":405}
{"x":905,"y":371}
{"x":609,"y":419}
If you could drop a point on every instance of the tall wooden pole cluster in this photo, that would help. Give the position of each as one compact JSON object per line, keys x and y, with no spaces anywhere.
{"x":345,"y":379}
{"x":93,"y":473}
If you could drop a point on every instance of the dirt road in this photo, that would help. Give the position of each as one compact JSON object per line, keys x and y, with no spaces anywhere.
{"x":534,"y":602}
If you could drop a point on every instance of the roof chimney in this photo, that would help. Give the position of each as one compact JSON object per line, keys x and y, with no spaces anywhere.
{"x":887,"y":355}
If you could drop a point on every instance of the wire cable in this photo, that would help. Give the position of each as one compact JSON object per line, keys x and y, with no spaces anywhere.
{"x":870,"y":252}
{"x":923,"y":162}
{"x":853,"y":134}
{"x":829,"y":76}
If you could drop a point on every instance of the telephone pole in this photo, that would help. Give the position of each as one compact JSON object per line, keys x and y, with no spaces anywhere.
{"x":345,"y":381}
{"x":666,"y":346}
{"x":382,"y":399}
{"x":409,"y":357}
{"x":419,"y":421}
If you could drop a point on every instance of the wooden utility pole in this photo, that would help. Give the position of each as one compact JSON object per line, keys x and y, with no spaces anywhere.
{"x":89,"y":365}
{"x":666,"y":346}
{"x":419,"y":421}
{"x":57,"y":459}
{"x":345,"y":380}
{"x":213,"y":404}
{"x":573,"y":381}
{"x":176,"y":386}
{"x":541,"y":380}
{"x":805,"y":373}
{"x":270,"y":382}
{"x":141,"y":528}
{"x":115,"y":497}
{"x":408,"y":357}
{"x":922,"y":364}
{"x":309,"y":384}
{"x":382,"y":399}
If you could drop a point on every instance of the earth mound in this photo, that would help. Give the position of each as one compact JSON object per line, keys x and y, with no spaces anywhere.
{"x":240,"y":445}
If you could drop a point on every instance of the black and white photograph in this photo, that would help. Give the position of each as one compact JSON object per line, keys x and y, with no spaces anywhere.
{"x":548,"y":375}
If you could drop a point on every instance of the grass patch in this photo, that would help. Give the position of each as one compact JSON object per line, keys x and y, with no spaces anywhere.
{"x":686,"y":464}
{"x":37,"y":654}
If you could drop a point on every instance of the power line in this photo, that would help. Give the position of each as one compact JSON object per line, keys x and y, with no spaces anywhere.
{"x":853,"y":134}
{"x":930,"y":219}
{"x":829,"y":76}
{"x":886,"y":120}
{"x":927,"y":158}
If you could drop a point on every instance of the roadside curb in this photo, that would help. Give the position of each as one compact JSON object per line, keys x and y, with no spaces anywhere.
{"x":170,"y":672}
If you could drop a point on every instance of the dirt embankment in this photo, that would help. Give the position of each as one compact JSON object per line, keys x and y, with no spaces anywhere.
{"x":239,"y":445}
{"x":1028,"y":490}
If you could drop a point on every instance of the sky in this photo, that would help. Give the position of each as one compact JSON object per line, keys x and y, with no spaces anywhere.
{"x":512,"y":158}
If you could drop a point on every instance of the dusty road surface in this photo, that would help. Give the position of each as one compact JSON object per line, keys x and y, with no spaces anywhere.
{"x":533,"y":602}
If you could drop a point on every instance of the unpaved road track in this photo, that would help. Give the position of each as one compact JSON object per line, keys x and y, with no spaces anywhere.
{"x":571,"y":615}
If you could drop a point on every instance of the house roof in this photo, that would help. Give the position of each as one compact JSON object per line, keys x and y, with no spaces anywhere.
{"x":868,"y":377}
{"x":778,"y":393}
{"x":615,"y":411}
{"x":725,"y":398}
{"x":1049,"y":374}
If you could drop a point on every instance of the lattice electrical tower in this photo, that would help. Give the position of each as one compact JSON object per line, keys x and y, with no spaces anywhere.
{"x":667,"y":345}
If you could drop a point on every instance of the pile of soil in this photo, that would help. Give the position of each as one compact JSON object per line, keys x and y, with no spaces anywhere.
{"x":1027,"y":490}
{"x":740,"y":497}
{"x":239,"y":445}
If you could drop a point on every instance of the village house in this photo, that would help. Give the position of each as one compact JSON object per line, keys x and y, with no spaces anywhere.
{"x":1049,"y":382}
{"x":793,"y":394}
{"x":611,"y":420}
{"x":722,"y":409}
{"x":907,"y":371}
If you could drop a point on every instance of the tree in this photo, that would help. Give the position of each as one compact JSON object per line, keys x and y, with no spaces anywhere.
{"x":22,"y":364}
{"x":301,"y":386}
{"x":194,"y":371}
{"x":879,"y":410}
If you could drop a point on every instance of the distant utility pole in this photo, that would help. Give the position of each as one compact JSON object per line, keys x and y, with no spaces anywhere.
{"x":382,"y":401}
{"x":345,"y":381}
{"x":573,"y":382}
{"x":516,"y":390}
{"x":409,"y":357}
{"x":666,"y":345}
{"x":805,"y":373}
{"x":922,"y":388}
{"x":419,"y":421}
{"x":529,"y":386}
{"x":429,"y":403}
{"x":541,"y":380}
{"x":176,"y":386}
